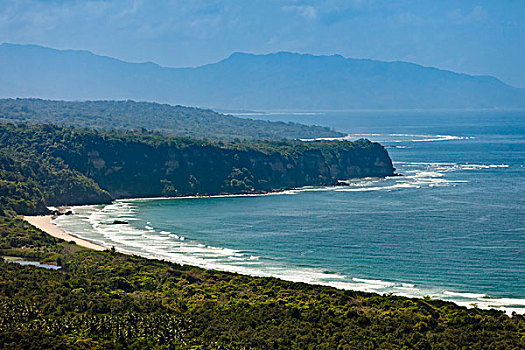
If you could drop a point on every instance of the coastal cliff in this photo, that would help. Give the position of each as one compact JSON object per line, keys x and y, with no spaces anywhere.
{"x":52,"y":165}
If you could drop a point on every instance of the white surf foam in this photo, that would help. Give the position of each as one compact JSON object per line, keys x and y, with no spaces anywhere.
{"x":395,"y":138}
{"x":465,"y":295}
{"x":416,"y":175}
{"x":373,"y":282}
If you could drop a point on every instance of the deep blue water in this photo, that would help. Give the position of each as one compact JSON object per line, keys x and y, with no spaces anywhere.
{"x":453,"y":227}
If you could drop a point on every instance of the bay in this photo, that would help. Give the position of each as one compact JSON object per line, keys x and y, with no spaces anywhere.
{"x":452,"y":227}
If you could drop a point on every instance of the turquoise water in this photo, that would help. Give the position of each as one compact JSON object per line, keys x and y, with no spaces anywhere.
{"x":452,"y":227}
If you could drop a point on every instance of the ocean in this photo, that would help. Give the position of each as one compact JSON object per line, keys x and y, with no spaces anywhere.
{"x":452,"y":227}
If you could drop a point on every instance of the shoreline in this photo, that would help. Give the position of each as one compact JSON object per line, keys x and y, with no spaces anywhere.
{"x":291,"y":190}
{"x":46,"y":224}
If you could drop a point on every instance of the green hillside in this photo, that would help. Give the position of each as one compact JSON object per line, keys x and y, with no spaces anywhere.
{"x":162,"y":118}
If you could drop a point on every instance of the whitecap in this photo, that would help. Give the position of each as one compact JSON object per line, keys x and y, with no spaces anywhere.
{"x":465,"y":295}
{"x":396,"y":138}
{"x":373,"y":282}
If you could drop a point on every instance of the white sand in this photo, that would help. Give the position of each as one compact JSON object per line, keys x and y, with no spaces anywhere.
{"x":45,"y":224}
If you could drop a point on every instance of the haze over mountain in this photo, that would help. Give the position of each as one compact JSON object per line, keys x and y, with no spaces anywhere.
{"x":245,"y":81}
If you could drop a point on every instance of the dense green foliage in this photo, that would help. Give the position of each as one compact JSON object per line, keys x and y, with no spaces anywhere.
{"x":163,"y":118}
{"x":32,"y":176}
{"x":115,"y":301}
{"x":55,"y":165}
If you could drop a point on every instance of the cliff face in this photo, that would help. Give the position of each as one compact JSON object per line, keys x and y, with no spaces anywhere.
{"x":142,"y":170}
{"x":49,"y":165}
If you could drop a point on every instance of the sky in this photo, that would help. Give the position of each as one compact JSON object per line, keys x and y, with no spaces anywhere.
{"x":475,"y":37}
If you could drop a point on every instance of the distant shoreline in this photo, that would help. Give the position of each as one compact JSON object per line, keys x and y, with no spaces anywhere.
{"x":45,"y":223}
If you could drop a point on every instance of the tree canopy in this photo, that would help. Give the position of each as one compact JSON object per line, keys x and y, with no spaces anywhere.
{"x":162,"y":118}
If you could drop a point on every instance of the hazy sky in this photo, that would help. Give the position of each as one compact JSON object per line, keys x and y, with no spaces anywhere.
{"x":478,"y":37}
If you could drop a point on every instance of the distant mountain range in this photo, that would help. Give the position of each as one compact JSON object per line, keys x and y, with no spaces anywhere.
{"x":245,"y":81}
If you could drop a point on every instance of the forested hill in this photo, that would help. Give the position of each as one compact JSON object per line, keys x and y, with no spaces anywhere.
{"x":163,"y":118}
{"x":53,"y":165}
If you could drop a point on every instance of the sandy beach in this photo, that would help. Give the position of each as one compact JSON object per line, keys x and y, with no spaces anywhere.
{"x":45,"y":224}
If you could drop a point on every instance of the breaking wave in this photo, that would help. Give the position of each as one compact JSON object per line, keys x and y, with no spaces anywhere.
{"x":395,"y":138}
